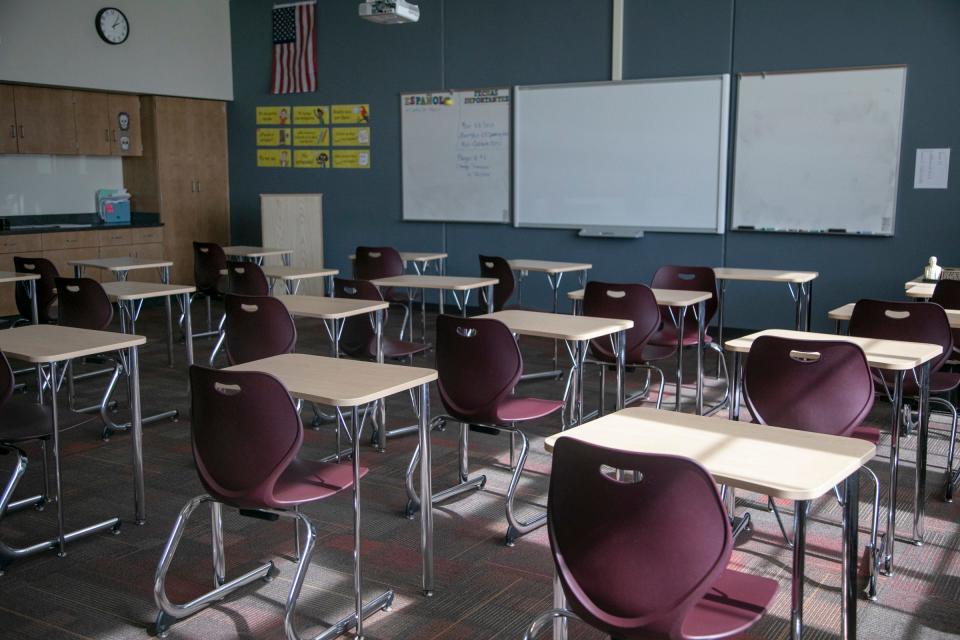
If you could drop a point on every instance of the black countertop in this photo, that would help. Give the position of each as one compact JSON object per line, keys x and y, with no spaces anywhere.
{"x":60,"y":222}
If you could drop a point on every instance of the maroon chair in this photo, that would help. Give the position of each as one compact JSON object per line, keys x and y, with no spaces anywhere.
{"x":358,"y":338}
{"x":648,"y":558}
{"x":257,"y":327}
{"x":499,"y":268}
{"x":209,"y":276}
{"x":915,"y":322}
{"x":246,"y":279}
{"x":634,"y":302}
{"x":246,"y":436}
{"x":371,"y":263}
{"x":479,"y":365}
{"x":946,"y":293}
{"x":822,"y":386}
{"x":46,"y":289}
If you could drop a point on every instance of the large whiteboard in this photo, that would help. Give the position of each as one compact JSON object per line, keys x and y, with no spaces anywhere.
{"x":819,"y":151}
{"x":456,"y":155}
{"x":648,"y":154}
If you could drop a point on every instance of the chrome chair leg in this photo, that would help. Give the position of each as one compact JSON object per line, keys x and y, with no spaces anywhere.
{"x":513,"y":445}
{"x":874,"y":551}
{"x":464,"y":482}
{"x":783,"y":529}
{"x":516,"y":527}
{"x":952,"y":475}
{"x":541,"y":622}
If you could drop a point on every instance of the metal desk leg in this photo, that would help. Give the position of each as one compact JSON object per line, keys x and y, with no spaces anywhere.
{"x":331,"y":290}
{"x":165,"y":279}
{"x":426,"y":491}
{"x":809,"y":304}
{"x":798,"y":305}
{"x":357,"y":576}
{"x":34,"y":315}
{"x":489,"y":298}
{"x":799,"y":555}
{"x":621,"y":370}
{"x":77,"y":271}
{"x":920,"y":483}
{"x":423,"y":314}
{"x":554,"y":281}
{"x":889,"y":540}
{"x":186,"y":301}
{"x":683,"y":314}
{"x":700,"y":339}
{"x":55,"y":418}
{"x":848,"y":589}
{"x":136,"y":442}
{"x":559,"y":602}
{"x":721,"y":294}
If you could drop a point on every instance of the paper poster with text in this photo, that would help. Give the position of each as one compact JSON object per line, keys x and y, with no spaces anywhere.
{"x":273,"y":115}
{"x":351,"y":136}
{"x":316,"y":114}
{"x":273,"y":137}
{"x":311,"y":137}
{"x":311,"y":159}
{"x":273,"y":157}
{"x":351,"y":159}
{"x":350,"y":114}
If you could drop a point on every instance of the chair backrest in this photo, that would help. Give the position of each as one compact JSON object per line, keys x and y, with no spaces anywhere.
{"x":83,"y":304}
{"x":478,"y":365}
{"x":46,"y":288}
{"x":946,"y":293}
{"x":625,"y":302}
{"x":245,"y":431}
{"x":246,"y":279}
{"x":499,"y":268}
{"x":357,"y":335}
{"x":907,"y":321}
{"x":689,"y":279}
{"x":370,"y":263}
{"x":209,"y":262}
{"x":257,"y":327}
{"x":636,"y":554}
{"x":812,"y":385}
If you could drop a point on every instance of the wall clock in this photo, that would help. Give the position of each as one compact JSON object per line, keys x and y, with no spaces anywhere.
{"x":112,"y":25}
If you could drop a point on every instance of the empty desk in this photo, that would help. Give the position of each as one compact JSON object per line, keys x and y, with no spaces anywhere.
{"x":291,"y":277}
{"x":30,"y":279}
{"x":257,"y":254}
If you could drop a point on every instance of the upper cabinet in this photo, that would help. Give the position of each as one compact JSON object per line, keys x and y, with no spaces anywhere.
{"x":45,"y":120}
{"x":92,"y":116}
{"x":123,"y":112}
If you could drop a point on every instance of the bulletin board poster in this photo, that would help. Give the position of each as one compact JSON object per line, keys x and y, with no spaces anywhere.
{"x":351,"y":159}
{"x":273,"y":158}
{"x":315,"y":114}
{"x":311,"y":137}
{"x":311,"y":159}
{"x":350,"y":114}
{"x":273,"y":115}
{"x":273,"y":137}
{"x":351,"y":137}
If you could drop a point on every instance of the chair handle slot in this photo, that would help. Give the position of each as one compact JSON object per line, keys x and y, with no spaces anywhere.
{"x":612,"y":293}
{"x":896,"y":315}
{"x":466,"y":332}
{"x":72,"y":288}
{"x":250,"y":308}
{"x":621,"y":476}
{"x":375,"y":254}
{"x":805,"y":356}
{"x":226,"y":389}
{"x":686,"y":276}
{"x":351,"y":291}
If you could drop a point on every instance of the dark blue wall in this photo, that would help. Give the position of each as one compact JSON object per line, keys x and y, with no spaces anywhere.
{"x":461,"y":43}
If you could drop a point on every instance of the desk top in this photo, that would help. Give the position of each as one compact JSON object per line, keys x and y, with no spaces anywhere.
{"x":784,"y":463}
{"x":254,"y":252}
{"x":278,"y":272}
{"x":764,"y":275}
{"x":130,"y":290}
{"x":416,"y":256}
{"x":122,"y":264}
{"x":558,"y":326}
{"x":42,"y":343}
{"x":920,"y":290}
{"x":665,"y":297}
{"x":846,"y":311}
{"x":329,"y":308}
{"x":548,"y":266}
{"x":339,"y":382}
{"x":13,"y":276}
{"x":892,"y":355}
{"x":446,"y":283}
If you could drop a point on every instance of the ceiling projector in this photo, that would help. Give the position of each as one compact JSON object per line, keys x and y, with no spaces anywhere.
{"x":389,"y":11}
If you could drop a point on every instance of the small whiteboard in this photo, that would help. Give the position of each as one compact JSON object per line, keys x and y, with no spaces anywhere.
{"x":456,"y":155}
{"x":819,"y":151}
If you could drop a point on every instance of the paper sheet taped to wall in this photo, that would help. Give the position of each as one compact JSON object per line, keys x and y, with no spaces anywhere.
{"x":315,"y":114}
{"x":933,"y":169}
{"x":351,"y":159}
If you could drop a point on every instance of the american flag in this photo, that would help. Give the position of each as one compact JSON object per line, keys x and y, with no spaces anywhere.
{"x":294,"y":48}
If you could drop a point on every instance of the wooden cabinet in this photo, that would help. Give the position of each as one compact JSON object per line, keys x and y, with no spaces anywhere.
{"x":45,"y":121}
{"x":8,"y":120}
{"x":124,"y":117}
{"x":91,"y":113}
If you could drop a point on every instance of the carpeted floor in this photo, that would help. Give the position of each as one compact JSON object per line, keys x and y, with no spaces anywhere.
{"x":103,"y":587}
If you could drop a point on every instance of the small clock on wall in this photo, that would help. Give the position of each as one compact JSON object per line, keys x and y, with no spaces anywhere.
{"x":112,"y":25}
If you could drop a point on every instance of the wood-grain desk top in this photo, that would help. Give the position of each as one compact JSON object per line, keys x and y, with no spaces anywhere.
{"x":783,"y":463}
{"x":920,"y":290}
{"x":846,"y":311}
{"x":416,"y":256}
{"x":13,"y":276}
{"x":548,"y":266}
{"x":445,"y":283}
{"x":339,"y":382}
{"x":664,"y":297}
{"x":254,"y":252}
{"x":892,"y":355}
{"x":329,"y":308}
{"x":558,"y":326}
{"x":130,"y":290}
{"x":122,"y":264}
{"x":42,"y":343}
{"x":764,"y":275}
{"x":279,"y":272}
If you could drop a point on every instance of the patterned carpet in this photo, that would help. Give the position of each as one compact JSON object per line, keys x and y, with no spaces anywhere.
{"x":103,"y":587}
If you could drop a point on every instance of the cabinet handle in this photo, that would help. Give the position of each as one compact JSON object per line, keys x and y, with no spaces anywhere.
{"x":193,"y":186}
{"x":114,"y":135}
{"x":21,"y":131}
{"x":13,"y":131}
{"x":198,"y":186}
{"x":106,"y":135}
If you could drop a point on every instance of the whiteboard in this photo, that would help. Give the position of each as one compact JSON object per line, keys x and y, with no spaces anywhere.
{"x":649,"y":154}
{"x":819,"y":151}
{"x":456,"y":155}
{"x":31,"y":185}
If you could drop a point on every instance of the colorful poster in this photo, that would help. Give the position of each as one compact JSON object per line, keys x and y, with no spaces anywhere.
{"x":273,"y":115}
{"x":351,"y":137}
{"x":311,"y":137}
{"x":273,"y":157}
{"x":273,"y":137}
{"x":351,"y":159}
{"x":311,"y":159}
{"x":350,"y":114}
{"x":311,"y":115}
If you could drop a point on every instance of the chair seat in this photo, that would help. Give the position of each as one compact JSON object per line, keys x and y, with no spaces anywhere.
{"x":519,"y":409}
{"x":735,"y":602}
{"x":648,"y":353}
{"x":395,"y":297}
{"x":653,"y":352}
{"x":307,"y":480}
{"x":867,"y":433}
{"x":397,"y":348}
{"x":667,"y":336}
{"x":22,"y":420}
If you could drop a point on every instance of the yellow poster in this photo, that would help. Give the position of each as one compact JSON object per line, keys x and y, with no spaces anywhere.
{"x":273,"y":115}
{"x":351,"y":159}
{"x":351,"y":137}
{"x":273,"y":157}
{"x":315,"y":114}
{"x":311,"y":159}
{"x":311,"y":137}
{"x":273,"y":137}
{"x":350,"y":114}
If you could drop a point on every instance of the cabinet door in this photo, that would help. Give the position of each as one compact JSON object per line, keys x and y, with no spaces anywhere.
{"x":93,"y":126}
{"x":124,"y":114}
{"x":8,"y":120}
{"x":8,"y":303}
{"x":45,"y":120}
{"x":212,"y":179}
{"x":177,"y":130}
{"x":61,"y":260}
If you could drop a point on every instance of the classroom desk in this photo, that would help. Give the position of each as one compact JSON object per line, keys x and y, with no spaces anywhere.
{"x":31,"y":280}
{"x":784,"y":463}
{"x":802,"y":296}
{"x":578,"y":330}
{"x":257,"y":254}
{"x":47,"y":344}
{"x":919,"y":290}
{"x":421,"y":260}
{"x":890,"y":355}
{"x":291,"y":277}
{"x":349,"y":384}
{"x":333,"y":311}
{"x":675,"y":299}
